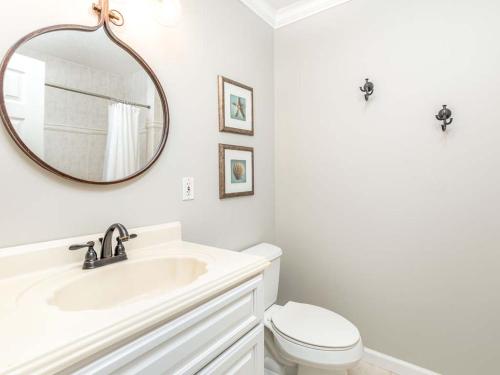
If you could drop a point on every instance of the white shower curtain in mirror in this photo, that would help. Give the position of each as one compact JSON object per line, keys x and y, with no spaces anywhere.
{"x":122,"y":154}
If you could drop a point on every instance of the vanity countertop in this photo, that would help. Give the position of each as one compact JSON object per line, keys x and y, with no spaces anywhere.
{"x":39,"y":336}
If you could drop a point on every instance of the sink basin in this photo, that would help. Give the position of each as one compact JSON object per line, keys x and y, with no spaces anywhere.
{"x":127,"y":282}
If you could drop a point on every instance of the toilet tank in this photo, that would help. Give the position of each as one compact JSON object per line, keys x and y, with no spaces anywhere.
{"x":272,"y":273}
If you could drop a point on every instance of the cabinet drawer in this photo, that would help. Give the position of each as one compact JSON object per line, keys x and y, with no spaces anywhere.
{"x":246,"y":357}
{"x":187,"y":344}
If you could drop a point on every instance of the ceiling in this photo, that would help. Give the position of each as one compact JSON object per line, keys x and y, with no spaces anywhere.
{"x":279,"y":13}
{"x":277,"y":4}
{"x":94,"y":50}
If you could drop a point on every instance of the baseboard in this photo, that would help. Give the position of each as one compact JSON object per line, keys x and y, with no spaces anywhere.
{"x":393,"y":364}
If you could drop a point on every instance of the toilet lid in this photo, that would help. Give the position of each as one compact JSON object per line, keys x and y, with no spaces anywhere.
{"x":315,"y":326}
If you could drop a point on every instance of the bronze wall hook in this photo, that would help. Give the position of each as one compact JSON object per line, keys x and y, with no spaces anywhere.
{"x":445,"y":116}
{"x":368,"y":89}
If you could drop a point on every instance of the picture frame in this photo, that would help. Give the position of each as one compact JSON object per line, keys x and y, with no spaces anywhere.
{"x":236,"y":107}
{"x":236,"y":171}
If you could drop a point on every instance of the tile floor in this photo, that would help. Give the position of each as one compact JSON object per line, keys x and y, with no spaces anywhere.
{"x":365,"y":368}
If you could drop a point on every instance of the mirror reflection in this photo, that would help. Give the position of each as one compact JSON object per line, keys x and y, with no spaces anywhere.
{"x":83,"y":105}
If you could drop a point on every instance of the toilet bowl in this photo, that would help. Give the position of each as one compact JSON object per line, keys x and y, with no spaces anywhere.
{"x":308,"y":338}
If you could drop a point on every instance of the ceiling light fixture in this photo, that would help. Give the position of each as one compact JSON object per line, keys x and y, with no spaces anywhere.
{"x":168,"y":12}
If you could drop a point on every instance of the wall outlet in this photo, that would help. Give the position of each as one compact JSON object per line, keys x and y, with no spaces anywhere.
{"x":187,"y":188}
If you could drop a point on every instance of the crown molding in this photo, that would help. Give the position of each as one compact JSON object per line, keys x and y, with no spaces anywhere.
{"x":303,"y":9}
{"x":263,"y":9}
{"x":295,"y":12}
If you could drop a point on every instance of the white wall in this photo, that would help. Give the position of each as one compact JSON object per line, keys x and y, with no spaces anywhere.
{"x":215,"y":37}
{"x":382,"y":217}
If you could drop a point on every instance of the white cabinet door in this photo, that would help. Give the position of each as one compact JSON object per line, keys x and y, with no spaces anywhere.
{"x":24,"y":89}
{"x":246,"y":357}
{"x":187,"y":344}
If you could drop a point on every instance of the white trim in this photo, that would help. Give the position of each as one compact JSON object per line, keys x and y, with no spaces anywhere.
{"x":73,"y":129}
{"x":393,"y":364}
{"x":263,"y":9}
{"x":303,"y":9}
{"x":292,"y":13}
{"x":154,"y":125}
{"x":94,"y":131}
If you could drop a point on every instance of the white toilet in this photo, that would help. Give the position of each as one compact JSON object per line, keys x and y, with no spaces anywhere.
{"x":305,"y":339}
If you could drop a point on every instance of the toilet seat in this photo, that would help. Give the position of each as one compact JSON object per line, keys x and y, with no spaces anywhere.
{"x":312,"y":336}
{"x":315,"y":327}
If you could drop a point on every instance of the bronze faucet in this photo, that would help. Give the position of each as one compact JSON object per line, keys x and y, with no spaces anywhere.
{"x":107,"y":256}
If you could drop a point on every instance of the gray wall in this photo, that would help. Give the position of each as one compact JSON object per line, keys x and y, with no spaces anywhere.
{"x":214,"y":37}
{"x":382,"y":217}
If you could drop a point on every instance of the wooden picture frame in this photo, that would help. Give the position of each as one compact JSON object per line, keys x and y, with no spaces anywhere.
{"x":236,"y":171}
{"x":236,"y":107}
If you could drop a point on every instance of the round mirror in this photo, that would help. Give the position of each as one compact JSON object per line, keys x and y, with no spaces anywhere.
{"x":83,"y":105}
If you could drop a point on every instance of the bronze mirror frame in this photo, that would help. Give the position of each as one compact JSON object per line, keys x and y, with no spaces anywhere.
{"x":106,"y":17}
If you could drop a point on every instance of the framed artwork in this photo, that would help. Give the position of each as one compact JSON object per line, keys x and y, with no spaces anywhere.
{"x":235,"y":107}
{"x":236,"y":176}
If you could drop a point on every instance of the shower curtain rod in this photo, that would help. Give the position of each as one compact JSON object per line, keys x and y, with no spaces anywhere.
{"x":97,"y":95}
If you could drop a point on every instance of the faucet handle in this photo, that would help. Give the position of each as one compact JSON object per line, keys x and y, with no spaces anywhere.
{"x":127,"y":237}
{"x":89,"y":244}
{"x":120,"y":249}
{"x":90,"y":256}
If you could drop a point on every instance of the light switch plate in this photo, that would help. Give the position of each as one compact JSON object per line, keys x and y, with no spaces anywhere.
{"x":187,"y":188}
